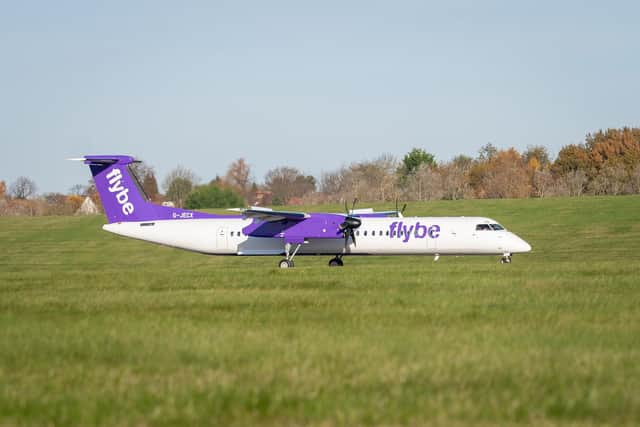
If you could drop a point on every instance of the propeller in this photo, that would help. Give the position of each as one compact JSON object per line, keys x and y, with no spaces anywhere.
{"x":349,"y":224}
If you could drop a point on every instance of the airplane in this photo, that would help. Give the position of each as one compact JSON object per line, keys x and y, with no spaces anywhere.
{"x":263,"y":231}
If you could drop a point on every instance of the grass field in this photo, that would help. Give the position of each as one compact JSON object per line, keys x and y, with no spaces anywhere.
{"x":96,"y":329}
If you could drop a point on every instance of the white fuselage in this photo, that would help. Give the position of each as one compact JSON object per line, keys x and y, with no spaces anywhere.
{"x":375,"y":236}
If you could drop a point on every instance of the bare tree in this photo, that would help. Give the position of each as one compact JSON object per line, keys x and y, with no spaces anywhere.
{"x":178,"y":184}
{"x":634,"y":179}
{"x":78,"y":190}
{"x":425,"y":183}
{"x":610,"y":179}
{"x":373,"y":180}
{"x":575,"y":182}
{"x":542,"y":182}
{"x":455,"y":178}
{"x":3,"y":190}
{"x":331,"y":185}
{"x":179,"y":172}
{"x":22,"y":188}
{"x":239,"y":177}
{"x":286,"y":183}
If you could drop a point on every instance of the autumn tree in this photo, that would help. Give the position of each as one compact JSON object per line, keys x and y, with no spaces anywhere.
{"x":60,"y":204}
{"x":3,"y":190}
{"x":286,"y":183}
{"x":504,"y":176}
{"x":614,"y":146}
{"x":571,"y":158}
{"x":150,"y":186}
{"x":22,"y":188}
{"x":538,"y":156}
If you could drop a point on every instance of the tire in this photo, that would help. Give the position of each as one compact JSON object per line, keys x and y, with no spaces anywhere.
{"x":285,"y":264}
{"x":335,"y":262}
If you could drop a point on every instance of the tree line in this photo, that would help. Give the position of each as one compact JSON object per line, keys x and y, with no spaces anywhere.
{"x":606,"y":163}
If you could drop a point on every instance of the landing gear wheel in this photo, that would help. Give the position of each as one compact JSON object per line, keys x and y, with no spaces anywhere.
{"x":335,"y":262}
{"x":285,"y":264}
{"x":505,"y":260}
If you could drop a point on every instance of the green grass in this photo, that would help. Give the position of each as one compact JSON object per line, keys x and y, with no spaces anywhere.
{"x":100,"y":330}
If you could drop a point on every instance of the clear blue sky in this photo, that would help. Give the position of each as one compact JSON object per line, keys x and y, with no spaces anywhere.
{"x":307,"y":84}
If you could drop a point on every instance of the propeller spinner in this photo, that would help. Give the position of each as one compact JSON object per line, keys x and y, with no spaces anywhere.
{"x":349,"y":224}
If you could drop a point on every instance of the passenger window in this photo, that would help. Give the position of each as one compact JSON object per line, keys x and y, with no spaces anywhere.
{"x":357,"y":233}
{"x":387,"y":232}
{"x":373,"y":233}
{"x":232,"y":234}
{"x":482,"y":227}
{"x":365,"y":232}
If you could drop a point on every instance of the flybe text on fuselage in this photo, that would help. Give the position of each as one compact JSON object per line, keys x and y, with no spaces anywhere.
{"x":400,"y":230}
{"x":122,"y":193}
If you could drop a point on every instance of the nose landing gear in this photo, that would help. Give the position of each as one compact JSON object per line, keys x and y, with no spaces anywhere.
{"x":506,"y":259}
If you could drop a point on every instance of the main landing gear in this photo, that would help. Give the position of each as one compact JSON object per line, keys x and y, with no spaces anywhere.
{"x":336,"y":262}
{"x":287,"y":262}
{"x":506,"y":259}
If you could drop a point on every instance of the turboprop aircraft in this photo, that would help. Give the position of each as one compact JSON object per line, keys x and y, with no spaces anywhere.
{"x":262,"y":231}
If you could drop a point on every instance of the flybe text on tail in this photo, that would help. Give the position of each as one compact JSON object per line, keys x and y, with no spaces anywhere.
{"x":114,"y":177}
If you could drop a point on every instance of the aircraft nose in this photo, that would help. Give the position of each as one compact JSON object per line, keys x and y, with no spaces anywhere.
{"x":520,"y":245}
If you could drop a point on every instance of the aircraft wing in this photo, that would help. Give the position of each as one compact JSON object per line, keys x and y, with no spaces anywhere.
{"x":378,"y":214}
{"x":272,"y":216}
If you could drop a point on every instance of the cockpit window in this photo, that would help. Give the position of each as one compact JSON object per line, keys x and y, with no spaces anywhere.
{"x":483,"y":227}
{"x":497,"y":227}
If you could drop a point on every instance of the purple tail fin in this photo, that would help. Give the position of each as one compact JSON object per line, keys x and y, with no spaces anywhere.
{"x":121,"y":198}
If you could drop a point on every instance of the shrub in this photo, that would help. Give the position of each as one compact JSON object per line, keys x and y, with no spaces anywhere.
{"x":211,"y":196}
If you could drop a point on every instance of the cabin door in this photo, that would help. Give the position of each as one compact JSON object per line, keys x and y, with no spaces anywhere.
{"x":448,"y":241}
{"x":222,"y":237}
